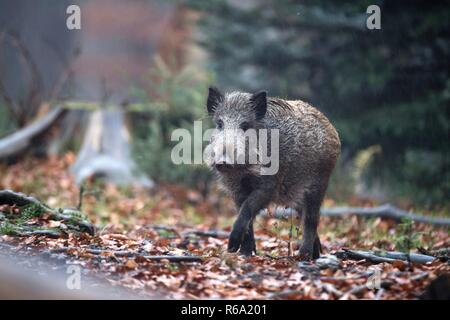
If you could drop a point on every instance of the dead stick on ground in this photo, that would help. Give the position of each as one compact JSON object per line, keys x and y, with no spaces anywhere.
{"x":130,"y":254}
{"x":387,"y":211}
{"x":380,"y":257}
{"x":209,"y":233}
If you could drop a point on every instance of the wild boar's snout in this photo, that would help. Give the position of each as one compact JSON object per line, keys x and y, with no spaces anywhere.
{"x":227,"y":151}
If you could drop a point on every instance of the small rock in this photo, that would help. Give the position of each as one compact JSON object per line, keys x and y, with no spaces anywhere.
{"x":247,"y":267}
{"x":308,"y":267}
{"x":328,"y":262}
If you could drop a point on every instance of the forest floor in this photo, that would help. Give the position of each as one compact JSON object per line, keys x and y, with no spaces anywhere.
{"x":139,"y":233}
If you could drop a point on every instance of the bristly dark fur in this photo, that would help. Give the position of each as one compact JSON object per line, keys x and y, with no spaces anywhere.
{"x":309,"y":147}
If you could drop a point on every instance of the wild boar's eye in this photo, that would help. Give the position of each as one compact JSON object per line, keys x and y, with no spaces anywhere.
{"x":219,"y":124}
{"x":245,"y":126}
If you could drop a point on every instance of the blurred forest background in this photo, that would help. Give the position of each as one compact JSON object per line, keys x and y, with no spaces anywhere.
{"x":387,"y":91}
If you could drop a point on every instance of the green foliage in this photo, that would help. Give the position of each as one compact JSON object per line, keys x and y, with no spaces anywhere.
{"x":8,"y":228}
{"x":176,"y":101}
{"x":30,"y":211}
{"x":387,"y":87}
{"x":407,"y":239}
{"x":75,"y":214}
{"x":13,"y":223}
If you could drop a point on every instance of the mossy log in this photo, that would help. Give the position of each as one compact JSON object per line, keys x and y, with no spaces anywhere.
{"x":73,"y":218}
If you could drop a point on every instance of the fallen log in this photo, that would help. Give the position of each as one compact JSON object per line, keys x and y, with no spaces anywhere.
{"x":19,"y":199}
{"x":26,"y":232}
{"x":9,"y":197}
{"x":386,"y":211}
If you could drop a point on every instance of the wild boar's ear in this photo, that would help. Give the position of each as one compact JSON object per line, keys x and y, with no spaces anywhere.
{"x":214,"y":98}
{"x":259,"y":100}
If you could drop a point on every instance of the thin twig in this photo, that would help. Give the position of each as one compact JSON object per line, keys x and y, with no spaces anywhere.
{"x":130,"y":254}
{"x":387,"y":211}
{"x":80,"y":197}
{"x":380,"y":257}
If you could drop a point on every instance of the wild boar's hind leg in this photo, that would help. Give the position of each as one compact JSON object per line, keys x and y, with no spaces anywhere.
{"x":311,"y":247}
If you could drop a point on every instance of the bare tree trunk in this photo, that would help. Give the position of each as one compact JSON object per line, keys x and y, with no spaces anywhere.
{"x":105,"y":151}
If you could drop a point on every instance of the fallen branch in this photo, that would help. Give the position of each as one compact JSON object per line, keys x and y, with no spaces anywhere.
{"x":386,"y":211}
{"x":362,"y":255}
{"x":20,"y":140}
{"x":23,"y":231}
{"x":47,"y":233}
{"x":19,"y":199}
{"x":70,"y":249}
{"x":129,"y":254}
{"x":186,"y":233}
{"x":412,"y":257}
{"x":209,"y":233}
{"x":442,"y":254}
{"x":196,"y":232}
{"x":219,"y":234}
{"x":380,"y":257}
{"x":175,"y":258}
{"x":162,"y":227}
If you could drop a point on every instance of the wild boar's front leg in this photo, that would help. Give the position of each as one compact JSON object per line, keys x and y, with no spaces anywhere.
{"x":256,"y":201}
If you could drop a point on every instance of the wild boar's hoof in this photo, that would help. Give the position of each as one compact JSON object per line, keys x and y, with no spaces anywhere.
{"x":248,"y":248}
{"x":235,"y":240}
{"x":233,"y":245}
{"x":246,"y":252}
{"x":307,"y":254}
